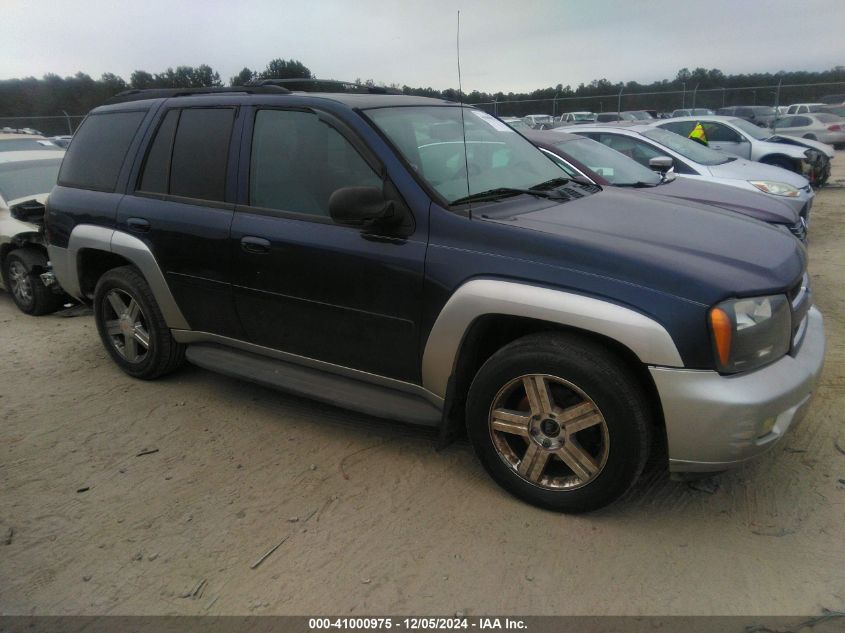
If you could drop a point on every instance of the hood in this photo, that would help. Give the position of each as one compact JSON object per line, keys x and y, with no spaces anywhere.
{"x":41,"y":197}
{"x":741,"y":169}
{"x":696,"y":252}
{"x":782,"y":139}
{"x":760,"y":206}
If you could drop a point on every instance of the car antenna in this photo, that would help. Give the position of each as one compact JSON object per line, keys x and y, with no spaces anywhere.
{"x":461,"y":103}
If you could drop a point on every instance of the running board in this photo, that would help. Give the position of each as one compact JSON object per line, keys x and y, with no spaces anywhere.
{"x":340,"y":391}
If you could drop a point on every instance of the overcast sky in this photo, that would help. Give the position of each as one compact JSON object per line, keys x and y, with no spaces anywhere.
{"x":511,"y":45}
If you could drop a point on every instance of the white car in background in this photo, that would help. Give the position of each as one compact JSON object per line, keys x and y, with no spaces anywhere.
{"x":646,"y":143}
{"x":804,"y":108}
{"x":741,"y":138}
{"x":827,"y":128}
{"x":26,"y":179}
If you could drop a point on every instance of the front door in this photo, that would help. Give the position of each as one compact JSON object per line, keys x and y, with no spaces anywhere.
{"x":305,"y":285}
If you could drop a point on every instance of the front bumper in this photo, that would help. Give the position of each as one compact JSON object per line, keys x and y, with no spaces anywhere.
{"x":716,"y":422}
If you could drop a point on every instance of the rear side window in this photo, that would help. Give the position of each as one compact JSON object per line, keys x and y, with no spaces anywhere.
{"x":200,"y":153}
{"x":189,"y":154}
{"x":157,"y":168}
{"x":98,"y":150}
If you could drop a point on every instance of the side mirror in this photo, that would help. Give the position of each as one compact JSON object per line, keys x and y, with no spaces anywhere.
{"x":361,"y":206}
{"x":30,"y":211}
{"x":661,"y":164}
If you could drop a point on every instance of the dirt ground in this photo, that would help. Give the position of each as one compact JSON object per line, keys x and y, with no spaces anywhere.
{"x":125,"y":497}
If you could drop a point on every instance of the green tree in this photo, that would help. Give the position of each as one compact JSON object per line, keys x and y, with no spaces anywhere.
{"x":243,"y":78}
{"x":141,"y":80}
{"x":285,"y":69}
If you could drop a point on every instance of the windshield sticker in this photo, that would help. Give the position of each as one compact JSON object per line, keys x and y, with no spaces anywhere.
{"x":492,"y":121}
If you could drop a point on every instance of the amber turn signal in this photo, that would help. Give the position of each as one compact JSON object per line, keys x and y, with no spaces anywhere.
{"x":722,"y":332}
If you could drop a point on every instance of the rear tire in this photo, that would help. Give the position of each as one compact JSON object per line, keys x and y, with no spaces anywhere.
{"x":580,"y":450}
{"x":132,"y":327}
{"x":22,"y":277}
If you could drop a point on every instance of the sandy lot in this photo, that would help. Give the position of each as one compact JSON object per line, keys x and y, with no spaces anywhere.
{"x":370,"y":518}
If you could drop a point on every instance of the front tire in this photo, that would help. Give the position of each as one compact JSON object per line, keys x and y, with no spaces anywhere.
{"x":21,"y":276}
{"x":132,"y":327}
{"x":559,"y":422}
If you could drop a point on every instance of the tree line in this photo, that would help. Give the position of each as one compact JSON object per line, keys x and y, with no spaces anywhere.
{"x":76,"y":95}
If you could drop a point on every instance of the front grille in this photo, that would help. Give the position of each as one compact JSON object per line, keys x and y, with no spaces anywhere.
{"x":800,"y":299}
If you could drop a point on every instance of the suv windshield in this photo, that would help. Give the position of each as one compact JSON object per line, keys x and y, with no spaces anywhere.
{"x":616,"y":168}
{"x":28,"y":178}
{"x":687,"y":148}
{"x":754,"y":131}
{"x":431,"y":139}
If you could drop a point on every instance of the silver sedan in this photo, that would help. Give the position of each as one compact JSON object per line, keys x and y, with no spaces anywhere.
{"x":691,"y":160}
{"x":827,"y":128}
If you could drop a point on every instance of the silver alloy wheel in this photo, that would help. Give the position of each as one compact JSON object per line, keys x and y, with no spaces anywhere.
{"x":20,"y":282}
{"x":128,"y":327}
{"x":549,"y":432}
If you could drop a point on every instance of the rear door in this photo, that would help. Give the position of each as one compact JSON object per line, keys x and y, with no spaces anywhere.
{"x":305,"y":285}
{"x":182,"y":208}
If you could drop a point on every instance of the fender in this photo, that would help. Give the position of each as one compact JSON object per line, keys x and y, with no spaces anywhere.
{"x":644,"y":336}
{"x":84,"y":236}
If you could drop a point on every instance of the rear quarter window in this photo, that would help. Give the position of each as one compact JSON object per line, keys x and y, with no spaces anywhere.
{"x":99,"y":148}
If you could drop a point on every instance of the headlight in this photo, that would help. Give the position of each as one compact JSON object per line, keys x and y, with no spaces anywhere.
{"x":750,"y":333}
{"x":775,"y":188}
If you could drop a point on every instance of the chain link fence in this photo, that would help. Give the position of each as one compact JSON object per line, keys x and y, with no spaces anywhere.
{"x":58,"y":125}
{"x":690,"y":96}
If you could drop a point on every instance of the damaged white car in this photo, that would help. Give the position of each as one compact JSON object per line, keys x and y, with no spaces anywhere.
{"x":26,"y":179}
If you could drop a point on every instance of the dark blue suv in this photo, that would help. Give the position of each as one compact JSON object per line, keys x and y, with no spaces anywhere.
{"x":423,"y":262}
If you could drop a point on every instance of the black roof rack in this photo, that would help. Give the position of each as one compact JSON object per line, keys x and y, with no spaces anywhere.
{"x":325,"y":85}
{"x":163,"y":93}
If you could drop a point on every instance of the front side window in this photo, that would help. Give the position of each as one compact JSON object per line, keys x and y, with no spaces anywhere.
{"x":716,"y":132}
{"x":685,"y":147}
{"x":632,"y":147}
{"x":610,"y":164}
{"x":99,"y":148}
{"x":680,"y":127}
{"x":298,"y":162}
{"x":754,"y":131}
{"x":431,"y":139}
{"x":27,"y":178}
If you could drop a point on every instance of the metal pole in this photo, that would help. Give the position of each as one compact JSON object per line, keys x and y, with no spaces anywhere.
{"x":554,"y":105}
{"x":695,"y":90}
{"x":67,"y":119}
{"x":619,"y":99}
{"x":496,"y":106}
{"x":723,"y":96}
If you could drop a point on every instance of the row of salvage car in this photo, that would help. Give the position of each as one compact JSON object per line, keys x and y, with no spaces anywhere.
{"x":730,"y":163}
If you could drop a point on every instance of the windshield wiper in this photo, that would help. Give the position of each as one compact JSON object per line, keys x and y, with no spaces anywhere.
{"x":502,"y":192}
{"x":551,"y":184}
{"x":640,"y":184}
